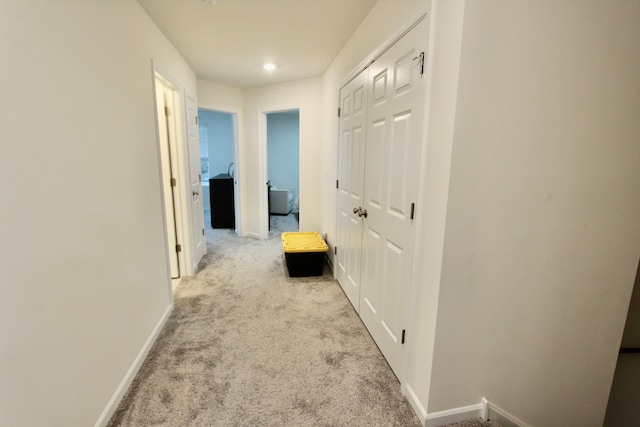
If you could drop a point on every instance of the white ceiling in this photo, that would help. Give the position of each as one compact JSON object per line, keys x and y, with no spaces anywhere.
{"x":229,"y":41}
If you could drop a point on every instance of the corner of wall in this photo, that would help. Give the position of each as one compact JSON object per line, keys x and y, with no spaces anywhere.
{"x":120,"y":392}
{"x":455,"y":415}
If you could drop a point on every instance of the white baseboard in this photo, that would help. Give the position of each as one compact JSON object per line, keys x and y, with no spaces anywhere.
{"x":253,"y":235}
{"x":415,"y":403}
{"x":493,"y":412}
{"x":456,"y":415}
{"x":485,"y":410}
{"x":133,"y":370}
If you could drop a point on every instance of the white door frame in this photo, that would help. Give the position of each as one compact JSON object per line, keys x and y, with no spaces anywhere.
{"x":182,"y":190}
{"x":238,"y":188}
{"x":166,"y":159}
{"x":421,"y":14}
{"x":193,"y":180}
{"x":263,"y":171}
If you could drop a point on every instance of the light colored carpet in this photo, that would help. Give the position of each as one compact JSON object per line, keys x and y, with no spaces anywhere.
{"x":248,"y":346}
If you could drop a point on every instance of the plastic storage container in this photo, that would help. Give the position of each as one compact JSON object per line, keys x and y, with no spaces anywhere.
{"x":304,"y":253}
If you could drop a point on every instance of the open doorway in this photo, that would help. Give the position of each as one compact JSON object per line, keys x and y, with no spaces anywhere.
{"x":283,"y":170}
{"x":177,"y":133}
{"x":218,"y":136}
{"x":168,"y":139}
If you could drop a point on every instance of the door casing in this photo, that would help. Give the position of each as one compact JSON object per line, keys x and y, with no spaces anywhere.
{"x":184,"y":210}
{"x":168,"y":142}
{"x":237,"y":166}
{"x":379,"y":327}
{"x":194,"y":193}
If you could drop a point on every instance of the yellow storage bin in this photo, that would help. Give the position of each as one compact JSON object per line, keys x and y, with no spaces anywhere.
{"x":304,"y":253}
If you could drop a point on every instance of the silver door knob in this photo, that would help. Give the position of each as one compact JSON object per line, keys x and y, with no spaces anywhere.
{"x":195,"y":193}
{"x":363,"y":212}
{"x":356,"y":210}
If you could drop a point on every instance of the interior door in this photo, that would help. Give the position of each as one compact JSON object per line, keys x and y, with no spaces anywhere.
{"x":164,"y":98}
{"x":396,"y":97}
{"x":197,"y":210}
{"x":353,"y":105}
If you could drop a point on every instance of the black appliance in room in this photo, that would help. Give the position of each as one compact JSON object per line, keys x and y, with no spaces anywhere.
{"x":222,"y":201}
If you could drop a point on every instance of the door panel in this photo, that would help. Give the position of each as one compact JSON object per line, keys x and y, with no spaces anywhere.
{"x":397,"y":173}
{"x":197,"y":210}
{"x":353,"y":104}
{"x":372,"y":266}
{"x":164,"y":97}
{"x":392,"y":161}
{"x":375,"y":162}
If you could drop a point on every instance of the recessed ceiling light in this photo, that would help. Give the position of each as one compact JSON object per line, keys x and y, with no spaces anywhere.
{"x":269,"y":66}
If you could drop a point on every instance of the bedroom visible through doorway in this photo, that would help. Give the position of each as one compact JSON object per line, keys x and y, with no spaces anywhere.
{"x":283,"y":170}
{"x":218,"y":166}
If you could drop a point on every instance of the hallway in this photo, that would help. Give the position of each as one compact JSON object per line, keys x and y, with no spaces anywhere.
{"x":246,"y":345}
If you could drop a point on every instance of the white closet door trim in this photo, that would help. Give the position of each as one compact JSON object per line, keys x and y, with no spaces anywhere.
{"x":386,"y":45}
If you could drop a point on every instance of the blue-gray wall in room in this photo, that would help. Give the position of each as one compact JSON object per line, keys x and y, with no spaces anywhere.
{"x":221,"y":139}
{"x":283,"y":150}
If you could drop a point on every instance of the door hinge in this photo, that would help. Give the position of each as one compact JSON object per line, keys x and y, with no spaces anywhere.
{"x":203,"y":231}
{"x":420,"y":59}
{"x":413,"y":210}
{"x":335,"y":250}
{"x":173,"y":182}
{"x":403,"y":336}
{"x":339,"y":111}
{"x":167,"y":111}
{"x":199,"y":177}
{"x":196,"y":119}
{"x":178,"y":248}
{"x":337,"y":183}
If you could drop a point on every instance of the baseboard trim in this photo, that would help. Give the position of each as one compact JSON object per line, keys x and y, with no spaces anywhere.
{"x":493,"y":412}
{"x":133,"y":370}
{"x":415,"y":403}
{"x":455,"y":415}
{"x":253,"y":235}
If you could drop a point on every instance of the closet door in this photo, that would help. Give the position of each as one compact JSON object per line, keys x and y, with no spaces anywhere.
{"x":351,"y":146}
{"x":396,"y":98}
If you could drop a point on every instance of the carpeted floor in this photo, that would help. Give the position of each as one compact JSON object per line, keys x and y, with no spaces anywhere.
{"x":248,"y":346}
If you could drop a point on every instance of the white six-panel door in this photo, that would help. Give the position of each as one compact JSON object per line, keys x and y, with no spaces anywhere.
{"x":353,"y":105}
{"x":168,"y":150}
{"x":395,"y":87}
{"x":197,"y":210}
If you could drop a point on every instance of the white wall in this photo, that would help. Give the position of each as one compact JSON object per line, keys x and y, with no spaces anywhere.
{"x":283,"y":153}
{"x":306,"y":95}
{"x":443,"y":68}
{"x":542,"y":234}
{"x":83,"y":258}
{"x":216,"y":96}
